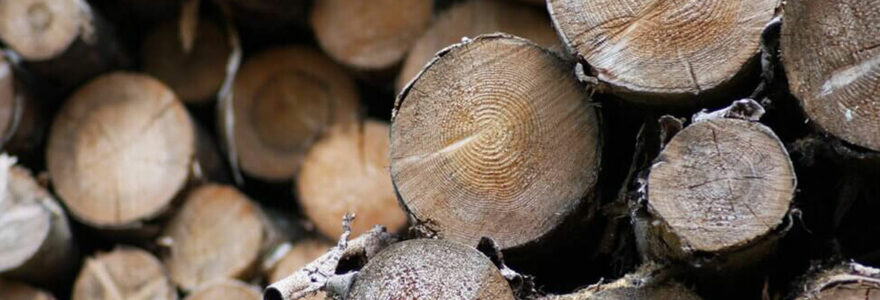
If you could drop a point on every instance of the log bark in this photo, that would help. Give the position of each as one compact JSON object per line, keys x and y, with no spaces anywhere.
{"x":831,"y":55}
{"x":119,"y":150}
{"x":717,"y":195}
{"x":666,"y":52}
{"x":65,"y":41}
{"x":37,"y":242}
{"x":346,"y":171}
{"x":847,"y":281}
{"x":470,"y":19}
{"x":124,"y":273}
{"x":11,"y":290}
{"x":194,"y":75}
{"x":302,"y":253}
{"x":495,"y":139}
{"x":301,"y":93}
{"x":218,"y":233}
{"x":225,"y":290}
{"x":429,"y":269}
{"x":369,"y":35}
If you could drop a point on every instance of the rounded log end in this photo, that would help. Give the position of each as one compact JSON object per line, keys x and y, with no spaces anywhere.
{"x":494,"y":139}
{"x":40,"y":29}
{"x":224,"y":289}
{"x":111,"y":275}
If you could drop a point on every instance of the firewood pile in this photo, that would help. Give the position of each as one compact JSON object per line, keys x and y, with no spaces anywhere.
{"x":439,"y":149}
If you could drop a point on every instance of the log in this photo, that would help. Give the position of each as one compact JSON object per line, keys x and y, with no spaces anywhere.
{"x":470,"y":19}
{"x":124,"y":273}
{"x":65,"y":41}
{"x":847,"y":281}
{"x":11,"y":290}
{"x":225,"y":290}
{"x":665,"y":52}
{"x":717,"y":195}
{"x":218,"y":233}
{"x":37,"y":242}
{"x":119,"y":150}
{"x":369,"y":35}
{"x":346,"y":171}
{"x":831,"y":55}
{"x":301,"y":93}
{"x":270,"y":19}
{"x":22,"y":124}
{"x":643,"y":284}
{"x":429,"y":269}
{"x":300,"y":254}
{"x":494,"y":138}
{"x":194,"y":75}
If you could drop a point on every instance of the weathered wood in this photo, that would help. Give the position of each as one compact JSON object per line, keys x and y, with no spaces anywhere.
{"x":124,"y":273}
{"x":847,"y":281}
{"x":429,"y":269}
{"x":194,"y":75}
{"x":346,"y":171}
{"x":470,"y":19}
{"x":218,"y":233}
{"x":640,"y":285}
{"x":119,"y":150}
{"x":65,"y":41}
{"x":225,"y":289}
{"x":369,"y":35}
{"x":720,"y":188}
{"x":301,"y":93}
{"x":664,"y":52}
{"x":831,"y":54}
{"x":37,"y":244}
{"x":301,"y":253}
{"x":11,"y":290}
{"x":494,"y":138}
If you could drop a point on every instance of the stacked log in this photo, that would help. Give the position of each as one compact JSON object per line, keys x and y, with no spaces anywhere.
{"x":124,"y":273}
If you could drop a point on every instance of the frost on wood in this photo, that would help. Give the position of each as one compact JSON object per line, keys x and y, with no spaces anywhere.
{"x":321,"y":273}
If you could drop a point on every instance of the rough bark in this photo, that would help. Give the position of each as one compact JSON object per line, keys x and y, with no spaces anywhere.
{"x":718,"y":192}
{"x":496,"y":139}
{"x":11,"y":290}
{"x":124,"y":273}
{"x":470,"y":19}
{"x":664,"y":52}
{"x":225,"y":290}
{"x":301,"y":93}
{"x":369,"y":35}
{"x":119,"y":150}
{"x":847,"y":281}
{"x":195,"y":74}
{"x":65,"y":41}
{"x":429,"y":269}
{"x":36,"y":244}
{"x":831,"y":54}
{"x":301,"y":253}
{"x":346,"y":171}
{"x":218,"y":233}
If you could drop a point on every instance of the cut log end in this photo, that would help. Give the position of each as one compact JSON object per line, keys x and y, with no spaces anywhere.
{"x":718,"y":186}
{"x":470,"y":19}
{"x":302,"y":253}
{"x":36,"y":232}
{"x":430,"y":269}
{"x":120,"y":149}
{"x":347,"y":172}
{"x":832,"y":61}
{"x":112,"y":276}
{"x":636,"y":286}
{"x":225,"y":290}
{"x":495,"y":139}
{"x":849,"y":281}
{"x":665,"y":49}
{"x":301,"y":93}
{"x":369,"y":34}
{"x":218,"y":233}
{"x":11,"y":290}
{"x":196,"y":75}
{"x":41,"y":29}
